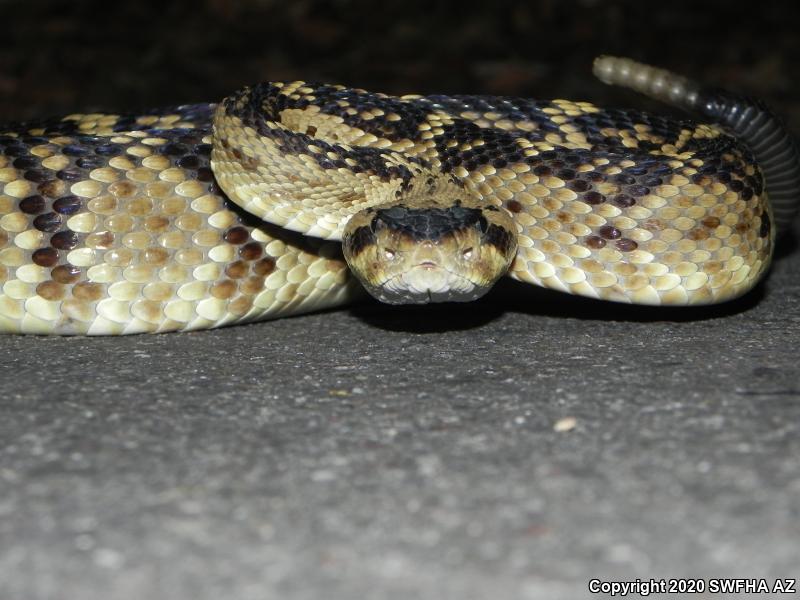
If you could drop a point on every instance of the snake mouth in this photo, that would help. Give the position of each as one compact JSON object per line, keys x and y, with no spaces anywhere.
{"x":426,"y":283}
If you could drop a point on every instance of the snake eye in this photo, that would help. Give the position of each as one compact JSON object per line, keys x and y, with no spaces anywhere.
{"x":389,"y":253}
{"x":467,"y":254}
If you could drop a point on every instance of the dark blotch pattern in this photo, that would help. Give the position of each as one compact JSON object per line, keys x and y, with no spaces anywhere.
{"x":37,"y":175}
{"x":188,"y":162}
{"x":514,"y":206}
{"x":45,"y":257}
{"x":32,"y":205}
{"x":64,"y":240}
{"x":594,"y":198}
{"x":264,"y":267}
{"x":71,"y":175}
{"x":65,"y":273}
{"x":626,"y":245}
{"x":48,"y":222}
{"x":251,"y":251}
{"x":25,"y":162}
{"x":108,"y":149}
{"x":237,"y":269}
{"x":236,"y":235}
{"x":500,"y":238}
{"x":75,"y":150}
{"x":579,"y":185}
{"x":595,"y":242}
{"x":205,"y":174}
{"x":637,"y":190}
{"x":623,"y":200}
{"x":361,"y":238}
{"x":67,"y":205}
{"x":609,"y":233}
{"x":90,"y":162}
{"x":264,"y":103}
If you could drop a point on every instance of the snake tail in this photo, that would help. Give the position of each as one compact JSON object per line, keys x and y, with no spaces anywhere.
{"x":749,"y":119}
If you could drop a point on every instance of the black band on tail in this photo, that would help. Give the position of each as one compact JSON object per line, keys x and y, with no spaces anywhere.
{"x":773,"y":147}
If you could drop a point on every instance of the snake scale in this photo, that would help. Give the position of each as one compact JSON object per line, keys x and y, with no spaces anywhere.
{"x":291,"y":197}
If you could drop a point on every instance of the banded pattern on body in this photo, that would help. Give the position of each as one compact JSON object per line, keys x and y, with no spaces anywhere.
{"x":112,"y":225}
{"x":611,"y":204}
{"x":122,"y":224}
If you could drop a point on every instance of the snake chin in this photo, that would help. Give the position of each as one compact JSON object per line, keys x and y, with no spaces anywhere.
{"x":426,"y":283}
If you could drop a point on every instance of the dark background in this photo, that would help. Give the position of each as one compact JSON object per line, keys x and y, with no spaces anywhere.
{"x":84,"y":55}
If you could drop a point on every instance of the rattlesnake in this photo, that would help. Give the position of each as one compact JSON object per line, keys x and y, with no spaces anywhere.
{"x":290,"y":197}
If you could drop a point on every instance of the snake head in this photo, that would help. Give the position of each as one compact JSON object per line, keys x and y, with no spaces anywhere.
{"x":421,"y":254}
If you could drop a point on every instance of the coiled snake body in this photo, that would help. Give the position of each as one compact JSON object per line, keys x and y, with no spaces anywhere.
{"x":208,"y":214}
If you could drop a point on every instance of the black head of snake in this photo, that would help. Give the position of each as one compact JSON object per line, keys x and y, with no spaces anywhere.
{"x":429,"y":250}
{"x":122,"y":224}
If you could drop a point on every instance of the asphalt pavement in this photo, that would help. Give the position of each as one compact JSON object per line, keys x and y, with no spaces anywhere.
{"x":515,"y":448}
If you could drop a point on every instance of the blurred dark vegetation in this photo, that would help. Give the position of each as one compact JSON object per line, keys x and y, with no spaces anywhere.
{"x":61,"y":56}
